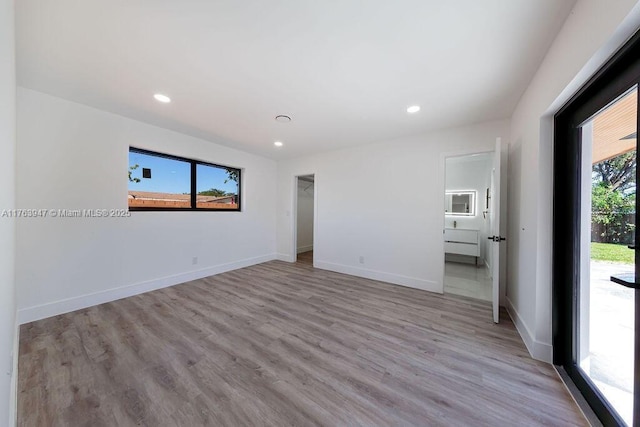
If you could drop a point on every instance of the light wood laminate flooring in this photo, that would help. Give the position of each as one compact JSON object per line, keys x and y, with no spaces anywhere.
{"x":282,"y":344}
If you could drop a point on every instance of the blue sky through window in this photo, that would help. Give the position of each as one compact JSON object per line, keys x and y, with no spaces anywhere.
{"x":167,"y":175}
{"x":209,"y":177}
{"x":174,"y":176}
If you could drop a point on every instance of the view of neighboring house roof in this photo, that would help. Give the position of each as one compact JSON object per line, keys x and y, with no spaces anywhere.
{"x":150,"y":195}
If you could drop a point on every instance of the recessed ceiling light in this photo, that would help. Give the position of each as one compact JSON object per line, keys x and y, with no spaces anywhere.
{"x":413,"y":109}
{"x":162,"y":98}
{"x":283,"y":119}
{"x":278,"y":144}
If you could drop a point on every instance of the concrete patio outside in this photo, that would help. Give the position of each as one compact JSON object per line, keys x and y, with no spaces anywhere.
{"x":610,"y":359}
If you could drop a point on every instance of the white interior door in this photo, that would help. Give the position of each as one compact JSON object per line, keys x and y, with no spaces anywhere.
{"x":495,"y":230}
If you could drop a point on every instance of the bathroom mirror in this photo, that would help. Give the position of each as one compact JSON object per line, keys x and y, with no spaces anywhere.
{"x":460,"y":203}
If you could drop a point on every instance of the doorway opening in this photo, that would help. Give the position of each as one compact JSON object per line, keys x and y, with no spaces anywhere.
{"x":304,"y":218}
{"x":472,"y":226}
{"x":467,"y":260}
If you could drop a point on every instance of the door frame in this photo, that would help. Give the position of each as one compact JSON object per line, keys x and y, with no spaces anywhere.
{"x":294,"y":216}
{"x":612,"y":80}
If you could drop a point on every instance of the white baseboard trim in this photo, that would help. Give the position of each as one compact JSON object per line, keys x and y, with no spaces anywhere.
{"x":285,"y":258}
{"x":396,"y":279}
{"x":538,"y":350}
{"x":13,"y":399}
{"x":30,"y":314}
{"x":306,"y":248}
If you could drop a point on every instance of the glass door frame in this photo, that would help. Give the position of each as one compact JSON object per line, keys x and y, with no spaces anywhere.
{"x":620,"y":74}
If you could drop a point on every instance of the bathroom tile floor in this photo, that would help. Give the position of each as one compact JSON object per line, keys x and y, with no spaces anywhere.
{"x":467,"y":280}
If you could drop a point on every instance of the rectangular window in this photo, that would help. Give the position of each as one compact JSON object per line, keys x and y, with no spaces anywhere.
{"x":163,"y":182}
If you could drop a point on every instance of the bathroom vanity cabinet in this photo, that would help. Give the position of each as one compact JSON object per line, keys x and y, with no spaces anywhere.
{"x":462,"y":241}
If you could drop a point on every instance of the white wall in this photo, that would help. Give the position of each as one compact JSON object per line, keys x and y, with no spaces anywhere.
{"x":471,"y":173}
{"x":75,"y":157}
{"x":8,"y":330}
{"x":305,"y":216}
{"x":383,"y":202}
{"x":593,"y":31}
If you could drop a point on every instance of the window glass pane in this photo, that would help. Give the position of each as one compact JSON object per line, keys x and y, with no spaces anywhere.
{"x":158,"y":182}
{"x":217,"y":187}
{"x":606,"y":327}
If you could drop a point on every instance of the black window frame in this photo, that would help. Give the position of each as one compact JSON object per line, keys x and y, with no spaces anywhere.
{"x":194,"y":165}
{"x":615,"y":78}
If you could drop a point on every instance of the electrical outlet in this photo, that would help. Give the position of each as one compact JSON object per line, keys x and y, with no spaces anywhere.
{"x":194,"y":260}
{"x":361,"y":259}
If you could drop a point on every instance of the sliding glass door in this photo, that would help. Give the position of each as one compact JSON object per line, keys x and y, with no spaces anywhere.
{"x":596,"y":264}
{"x":606,"y":308}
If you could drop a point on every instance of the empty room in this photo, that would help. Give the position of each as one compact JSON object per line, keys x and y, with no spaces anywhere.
{"x":249,"y":213}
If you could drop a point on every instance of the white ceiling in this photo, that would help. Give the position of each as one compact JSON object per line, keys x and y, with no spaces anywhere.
{"x":344,"y":70}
